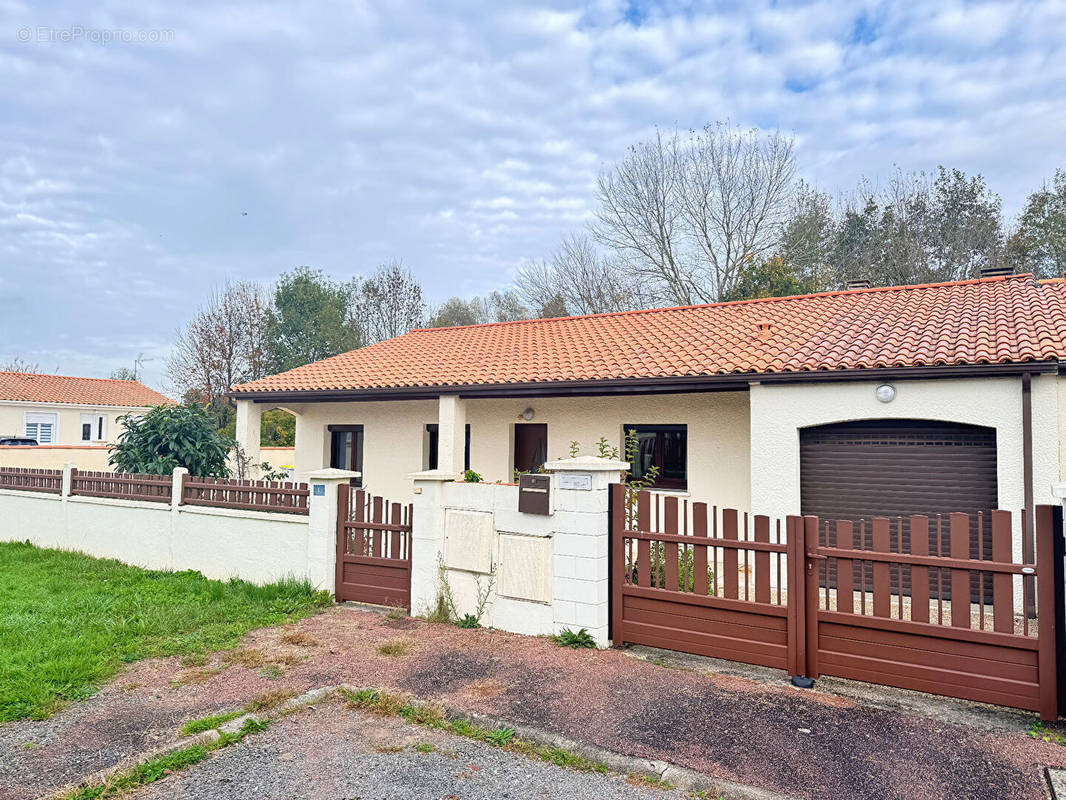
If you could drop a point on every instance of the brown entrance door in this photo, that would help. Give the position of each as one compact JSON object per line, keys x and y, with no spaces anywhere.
{"x":530,"y":446}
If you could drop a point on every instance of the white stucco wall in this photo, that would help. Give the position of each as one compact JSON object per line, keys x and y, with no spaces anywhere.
{"x":394,"y":442}
{"x":68,"y":417}
{"x":779,"y":411}
{"x":220,"y":543}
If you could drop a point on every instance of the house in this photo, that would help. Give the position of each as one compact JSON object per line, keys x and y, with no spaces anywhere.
{"x":58,"y":410}
{"x":879,"y":401}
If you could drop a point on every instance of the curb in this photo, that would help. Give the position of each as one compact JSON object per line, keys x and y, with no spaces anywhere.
{"x":207,"y":737}
{"x":682,"y":778}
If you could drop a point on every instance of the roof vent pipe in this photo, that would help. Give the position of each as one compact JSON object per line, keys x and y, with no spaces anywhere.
{"x":996,"y":271}
{"x":859,"y":283}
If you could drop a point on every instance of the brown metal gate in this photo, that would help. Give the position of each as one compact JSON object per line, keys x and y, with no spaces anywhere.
{"x":373,"y":549}
{"x":689,"y":577}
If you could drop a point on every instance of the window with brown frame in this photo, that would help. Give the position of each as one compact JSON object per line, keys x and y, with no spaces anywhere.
{"x":665,"y":447}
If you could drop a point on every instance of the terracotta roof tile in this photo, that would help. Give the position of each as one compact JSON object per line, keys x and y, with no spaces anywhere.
{"x":990,"y":320}
{"x":33,"y":388}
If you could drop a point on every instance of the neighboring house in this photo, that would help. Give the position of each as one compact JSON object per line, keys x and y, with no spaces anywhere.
{"x":885,"y":401}
{"x":58,"y":410}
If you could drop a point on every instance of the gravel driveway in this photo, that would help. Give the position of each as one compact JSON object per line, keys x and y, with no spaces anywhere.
{"x":331,"y":753}
{"x":811,"y":744}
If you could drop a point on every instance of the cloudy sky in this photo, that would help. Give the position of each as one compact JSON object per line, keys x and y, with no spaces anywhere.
{"x":151,"y":150}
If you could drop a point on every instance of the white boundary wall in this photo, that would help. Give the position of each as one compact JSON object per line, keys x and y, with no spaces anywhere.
{"x":221,"y":543}
{"x":548,"y":572}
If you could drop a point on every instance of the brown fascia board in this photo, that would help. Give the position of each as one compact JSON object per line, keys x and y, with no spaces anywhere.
{"x":672,"y":385}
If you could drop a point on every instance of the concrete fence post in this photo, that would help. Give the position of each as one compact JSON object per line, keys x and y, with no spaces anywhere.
{"x":427,"y":536}
{"x":177,"y":486}
{"x":581,"y":576}
{"x":322,"y":525}
{"x":68,"y":475}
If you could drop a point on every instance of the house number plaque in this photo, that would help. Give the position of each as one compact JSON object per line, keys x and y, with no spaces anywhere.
{"x":575,"y":481}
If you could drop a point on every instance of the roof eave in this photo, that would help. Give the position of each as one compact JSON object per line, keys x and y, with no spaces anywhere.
{"x":661,"y":385}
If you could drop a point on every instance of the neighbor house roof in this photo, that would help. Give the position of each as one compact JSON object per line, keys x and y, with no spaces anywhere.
{"x":1000,"y":320}
{"x":32,"y":388}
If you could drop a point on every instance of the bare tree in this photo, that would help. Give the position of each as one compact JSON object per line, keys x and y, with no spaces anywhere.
{"x":736,"y":190}
{"x":640,"y":215}
{"x":17,"y":364}
{"x":689,"y":216}
{"x":583,"y":279}
{"x":224,"y":344}
{"x":389,"y":303}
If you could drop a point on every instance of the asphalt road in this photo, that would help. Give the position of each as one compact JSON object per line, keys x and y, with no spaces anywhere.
{"x":331,"y":753}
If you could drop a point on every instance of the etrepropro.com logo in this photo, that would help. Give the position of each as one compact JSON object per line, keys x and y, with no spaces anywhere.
{"x":43,"y":34}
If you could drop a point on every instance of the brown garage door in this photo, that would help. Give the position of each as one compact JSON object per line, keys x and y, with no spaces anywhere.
{"x":896,"y":468}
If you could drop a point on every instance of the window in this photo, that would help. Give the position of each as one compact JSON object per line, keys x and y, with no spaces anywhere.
{"x":432,"y":459}
{"x":665,"y":447}
{"x":41,"y":427}
{"x":93,"y":427}
{"x":346,"y":449}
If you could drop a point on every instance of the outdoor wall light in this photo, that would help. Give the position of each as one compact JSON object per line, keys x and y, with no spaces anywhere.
{"x":886,"y":392}
{"x":528,"y":414}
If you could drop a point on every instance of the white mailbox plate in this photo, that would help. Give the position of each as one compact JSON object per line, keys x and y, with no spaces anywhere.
{"x":575,"y":480}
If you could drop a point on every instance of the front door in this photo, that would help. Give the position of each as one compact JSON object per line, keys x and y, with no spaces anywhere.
{"x":346,"y":449}
{"x":530,"y":446}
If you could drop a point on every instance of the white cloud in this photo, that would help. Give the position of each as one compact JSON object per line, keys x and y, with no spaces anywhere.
{"x":134,"y":177}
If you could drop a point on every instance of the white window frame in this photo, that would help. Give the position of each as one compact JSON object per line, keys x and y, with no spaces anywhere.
{"x":97,"y":429}
{"x":38,"y":418}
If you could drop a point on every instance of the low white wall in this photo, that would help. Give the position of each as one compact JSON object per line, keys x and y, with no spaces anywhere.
{"x":220,"y":543}
{"x":548,"y":572}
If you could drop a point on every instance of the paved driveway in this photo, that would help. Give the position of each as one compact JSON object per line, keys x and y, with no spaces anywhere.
{"x":808,"y":744}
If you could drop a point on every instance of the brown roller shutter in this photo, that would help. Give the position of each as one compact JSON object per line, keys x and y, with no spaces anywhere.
{"x":896,"y":468}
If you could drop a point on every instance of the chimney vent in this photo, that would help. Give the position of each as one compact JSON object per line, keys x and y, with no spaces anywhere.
{"x":997,"y":270}
{"x":859,"y":283}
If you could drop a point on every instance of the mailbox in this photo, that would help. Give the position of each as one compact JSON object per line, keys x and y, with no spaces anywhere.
{"x":533,"y":494}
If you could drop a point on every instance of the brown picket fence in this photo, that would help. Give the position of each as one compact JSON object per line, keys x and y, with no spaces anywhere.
{"x":278,"y":496}
{"x":882,"y":609}
{"x":121,"y":485}
{"x":28,"y":479}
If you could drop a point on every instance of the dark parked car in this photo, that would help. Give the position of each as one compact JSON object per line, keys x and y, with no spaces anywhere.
{"x":17,"y":441}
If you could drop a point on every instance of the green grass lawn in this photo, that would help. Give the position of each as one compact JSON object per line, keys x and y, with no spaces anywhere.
{"x":68,"y":622}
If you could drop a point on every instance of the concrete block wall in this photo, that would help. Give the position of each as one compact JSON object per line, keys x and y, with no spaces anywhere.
{"x":553,"y":568}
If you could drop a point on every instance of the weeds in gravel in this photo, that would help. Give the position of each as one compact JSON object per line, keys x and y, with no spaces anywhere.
{"x":395,"y":648}
{"x":648,"y":781}
{"x":271,"y":672}
{"x":425,"y":747}
{"x":63,"y":637}
{"x":1038,"y":730}
{"x":245,"y":657}
{"x":269,"y":700}
{"x":392,"y":705}
{"x":567,"y":638}
{"x":299,"y":638}
{"x":151,"y":771}
{"x":195,"y":726}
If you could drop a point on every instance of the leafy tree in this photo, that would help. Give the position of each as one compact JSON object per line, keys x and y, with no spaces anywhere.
{"x":1039,"y":244}
{"x":171,"y":436}
{"x":277,"y":428}
{"x":494,"y":307}
{"x":770,"y":278}
{"x":309,"y":320}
